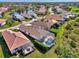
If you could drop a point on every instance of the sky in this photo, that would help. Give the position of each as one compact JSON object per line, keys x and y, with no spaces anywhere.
{"x":39,"y":0}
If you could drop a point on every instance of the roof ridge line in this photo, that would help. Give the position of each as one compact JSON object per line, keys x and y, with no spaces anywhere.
{"x":15,"y":39}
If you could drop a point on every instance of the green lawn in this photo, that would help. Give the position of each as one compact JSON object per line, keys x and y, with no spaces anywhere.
{"x":59,"y":31}
{"x":59,"y":34}
{"x":27,"y":20}
{"x":74,"y":9}
{"x":8,"y":12}
{"x":37,"y":54}
{"x":1,"y":52}
{"x":3,"y":49}
{"x":54,"y":30}
{"x":8,"y":26}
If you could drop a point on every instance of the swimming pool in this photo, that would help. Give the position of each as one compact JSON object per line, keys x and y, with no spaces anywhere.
{"x":49,"y":42}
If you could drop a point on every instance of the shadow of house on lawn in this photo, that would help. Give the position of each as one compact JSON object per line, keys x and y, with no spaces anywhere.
{"x":38,"y":45}
{"x":22,"y":56}
{"x":4,"y":47}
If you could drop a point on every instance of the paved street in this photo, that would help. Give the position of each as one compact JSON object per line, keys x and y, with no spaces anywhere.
{"x":15,"y":27}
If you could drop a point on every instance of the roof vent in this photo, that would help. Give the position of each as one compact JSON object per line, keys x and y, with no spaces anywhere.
{"x":28,"y":24}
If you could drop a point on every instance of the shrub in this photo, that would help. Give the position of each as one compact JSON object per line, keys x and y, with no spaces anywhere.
{"x":73,"y":36}
{"x":65,"y":52}
{"x":58,"y":50}
{"x":73,"y":44}
{"x":76,"y":24}
{"x":56,"y":25}
{"x":76,"y":31}
{"x":69,"y":27}
{"x":77,"y":19}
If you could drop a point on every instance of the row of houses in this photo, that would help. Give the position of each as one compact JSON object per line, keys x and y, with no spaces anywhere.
{"x":16,"y":41}
{"x":29,"y":13}
{"x":47,"y":22}
{"x":65,"y":14}
{"x":22,"y":15}
{"x":37,"y":30}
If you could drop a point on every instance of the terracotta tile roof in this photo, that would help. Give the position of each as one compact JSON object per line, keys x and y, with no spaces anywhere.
{"x":26,"y":15}
{"x":53,"y":17}
{"x":14,"y":39}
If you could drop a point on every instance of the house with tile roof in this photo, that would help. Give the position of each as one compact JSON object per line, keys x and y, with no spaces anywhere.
{"x":16,"y":42}
{"x":43,"y":36}
{"x":42,"y":9}
{"x":46,"y":25}
{"x":55,"y":19}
